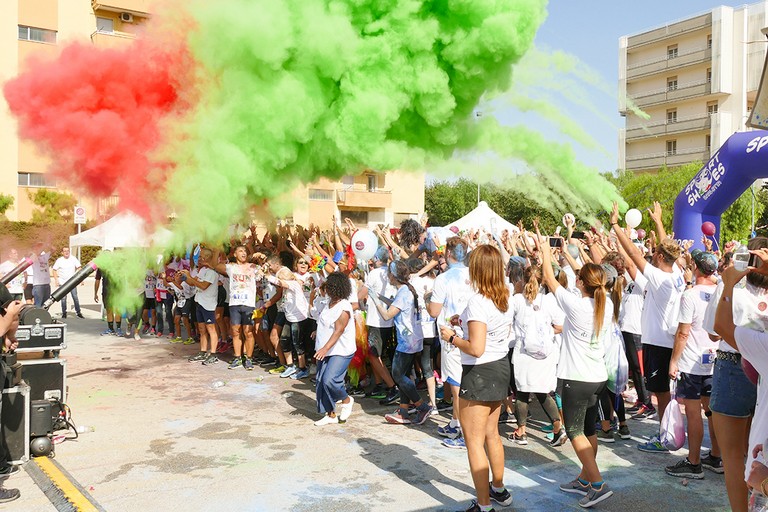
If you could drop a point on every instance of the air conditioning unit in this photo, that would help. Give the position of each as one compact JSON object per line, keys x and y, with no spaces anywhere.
{"x":126,"y":17}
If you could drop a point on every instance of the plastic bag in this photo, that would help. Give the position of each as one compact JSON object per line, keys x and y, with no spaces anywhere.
{"x":616,"y":361}
{"x":672,"y":427}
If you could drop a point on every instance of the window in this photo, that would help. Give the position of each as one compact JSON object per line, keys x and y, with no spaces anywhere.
{"x":105,"y":25}
{"x":348,"y":181}
{"x":317,"y":194}
{"x":671,"y":115}
{"x":671,"y":147}
{"x":709,"y":75}
{"x":672,"y":83}
{"x":672,"y":51}
{"x":372,"y":180}
{"x":35,"y":179}
{"x":708,"y":142}
{"x":39,"y":35}
{"x":711,"y":107}
{"x":709,"y":41}
{"x":358,"y":217}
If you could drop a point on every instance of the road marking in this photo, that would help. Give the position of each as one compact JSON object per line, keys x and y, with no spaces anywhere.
{"x":59,"y":486}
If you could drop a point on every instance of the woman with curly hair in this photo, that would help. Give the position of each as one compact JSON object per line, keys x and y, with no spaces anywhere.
{"x":334,"y":348}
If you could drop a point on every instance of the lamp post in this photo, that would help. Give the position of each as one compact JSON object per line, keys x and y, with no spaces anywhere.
{"x":478,"y":115}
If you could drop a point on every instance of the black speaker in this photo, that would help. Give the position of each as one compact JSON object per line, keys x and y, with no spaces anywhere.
{"x":47,"y":378}
{"x":40,"y":418}
{"x":15,"y":423}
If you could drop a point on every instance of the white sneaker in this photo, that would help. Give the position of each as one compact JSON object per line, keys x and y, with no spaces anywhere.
{"x":346,"y":410}
{"x":326,"y":420}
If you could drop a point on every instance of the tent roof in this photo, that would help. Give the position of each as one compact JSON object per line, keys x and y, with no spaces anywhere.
{"x":483,"y":217}
{"x":123,"y":230}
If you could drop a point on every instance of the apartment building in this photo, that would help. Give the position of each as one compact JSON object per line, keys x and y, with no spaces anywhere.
{"x":41,"y":27}
{"x":696,"y":78}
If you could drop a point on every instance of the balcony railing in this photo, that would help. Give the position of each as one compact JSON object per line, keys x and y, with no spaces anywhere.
{"x":669,"y":127}
{"x":364,"y":198}
{"x":652,"y":161}
{"x":647,"y":68}
{"x":688,"y":90}
{"x":105,"y":39}
{"x":670,"y":30}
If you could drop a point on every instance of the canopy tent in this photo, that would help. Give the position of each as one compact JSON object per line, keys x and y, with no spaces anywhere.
{"x":123,"y":230}
{"x":483,"y":217}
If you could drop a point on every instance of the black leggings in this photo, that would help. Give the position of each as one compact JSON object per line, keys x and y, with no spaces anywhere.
{"x":608,"y":405}
{"x":523,"y":398}
{"x":631,"y":343}
{"x":580,"y":407}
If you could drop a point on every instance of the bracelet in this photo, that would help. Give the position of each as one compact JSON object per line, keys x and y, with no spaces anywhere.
{"x":450,"y":340}
{"x":762,"y":487}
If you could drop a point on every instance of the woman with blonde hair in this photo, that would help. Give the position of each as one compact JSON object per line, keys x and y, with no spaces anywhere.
{"x":582,"y":369}
{"x":488,"y":319}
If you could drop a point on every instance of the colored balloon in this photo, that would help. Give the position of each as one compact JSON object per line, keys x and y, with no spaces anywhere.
{"x":708,"y":229}
{"x":364,"y":244}
{"x":633,"y":218}
{"x":641,"y":234}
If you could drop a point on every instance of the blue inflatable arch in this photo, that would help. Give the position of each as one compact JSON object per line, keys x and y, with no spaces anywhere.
{"x":741,"y":160}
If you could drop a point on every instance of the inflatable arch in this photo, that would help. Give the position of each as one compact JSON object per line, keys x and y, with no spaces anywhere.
{"x":741,"y":160}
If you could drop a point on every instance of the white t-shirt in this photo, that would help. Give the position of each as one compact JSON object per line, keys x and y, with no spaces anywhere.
{"x":452,"y":289}
{"x":407,"y":322}
{"x":150,"y":283}
{"x":41,"y":274}
{"x":537,"y":375}
{"x":582,"y":355}
{"x":424,"y":285}
{"x":750,"y":310}
{"x":353,"y":294}
{"x":499,"y":328}
{"x":183,"y":294}
{"x":326,"y":321}
{"x":377,"y":282}
{"x":296,"y":306}
{"x":208,"y":298}
{"x":753,"y":345}
{"x":16,"y":285}
{"x":631,"y":309}
{"x":698,"y":357}
{"x":242,"y":284}
{"x":66,"y":267}
{"x":661,"y":306}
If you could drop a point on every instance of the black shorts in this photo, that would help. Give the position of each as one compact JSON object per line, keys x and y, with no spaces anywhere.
{"x":580,"y":406}
{"x":28,"y":292}
{"x":268,"y":320}
{"x":485,"y":382}
{"x":378,"y":337}
{"x":149,"y":303}
{"x":656,"y":368}
{"x":693,"y":387}
{"x":184,"y":310}
{"x":221,"y":297}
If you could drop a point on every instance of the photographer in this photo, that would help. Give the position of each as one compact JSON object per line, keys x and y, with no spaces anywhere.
{"x":9,"y":321}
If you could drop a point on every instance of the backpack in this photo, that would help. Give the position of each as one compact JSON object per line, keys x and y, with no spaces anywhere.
{"x":536,"y":334}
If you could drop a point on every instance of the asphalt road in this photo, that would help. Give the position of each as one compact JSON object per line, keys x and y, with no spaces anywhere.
{"x":163,"y":439}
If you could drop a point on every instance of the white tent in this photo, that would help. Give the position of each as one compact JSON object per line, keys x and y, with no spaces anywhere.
{"x":484,"y":217}
{"x":123,"y":230}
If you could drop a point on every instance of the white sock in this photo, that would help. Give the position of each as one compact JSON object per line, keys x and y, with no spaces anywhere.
{"x":454,"y":423}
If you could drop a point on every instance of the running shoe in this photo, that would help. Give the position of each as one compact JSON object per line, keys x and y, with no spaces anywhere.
{"x":442,"y":405}
{"x":211,"y":359}
{"x":605,"y":436}
{"x":176,"y":340}
{"x":433,"y":411}
{"x":222,"y":348}
{"x":248,"y":364}
{"x":9,"y":470}
{"x":235,"y":363}
{"x":136,"y":335}
{"x":624,"y":432}
{"x":547,"y":429}
{"x":505,"y":417}
{"x":457,"y":444}
{"x":79,"y":315}
{"x":652,"y":446}
{"x":277,"y":370}
{"x":379,"y":392}
{"x":503,"y":498}
{"x":289,"y":370}
{"x":712,"y":463}
{"x":189,"y":341}
{"x":595,"y":495}
{"x":422,"y":413}
{"x":474,"y":507}
{"x":327,"y":420}
{"x":159,"y":334}
{"x":171,"y":335}
{"x":119,"y":332}
{"x":346,"y":410}
{"x":200,"y":356}
{"x":108,"y":332}
{"x":269,"y":361}
{"x":399,"y":417}
{"x":519,"y":439}
{"x":301,"y":374}
{"x":575,"y":487}
{"x":7,"y":495}
{"x":145,"y":330}
{"x":644,"y":412}
{"x":313,"y":369}
{"x":449,"y":431}
{"x":152,"y":331}
{"x":393,"y":395}
{"x":684,"y":469}
{"x":357,"y":392}
{"x":558,"y":439}
{"x":634,"y":408}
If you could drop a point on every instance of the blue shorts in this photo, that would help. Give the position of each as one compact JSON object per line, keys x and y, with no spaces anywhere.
{"x":203,"y":316}
{"x":732,"y":392}
{"x":241,"y":315}
{"x":693,"y":387}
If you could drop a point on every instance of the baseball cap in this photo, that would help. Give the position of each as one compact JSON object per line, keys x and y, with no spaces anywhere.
{"x":706,"y":262}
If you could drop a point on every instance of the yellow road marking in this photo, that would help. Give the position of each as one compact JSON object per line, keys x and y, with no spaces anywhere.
{"x":60,"y":480}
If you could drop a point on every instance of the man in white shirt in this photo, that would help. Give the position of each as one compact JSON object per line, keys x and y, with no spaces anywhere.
{"x":16,"y":286}
{"x":41,"y":275}
{"x":206,"y":298}
{"x":63,"y":269}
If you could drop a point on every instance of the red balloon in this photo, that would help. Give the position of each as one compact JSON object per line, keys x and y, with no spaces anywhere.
{"x":708,"y":229}
{"x":750,"y":371}
{"x":640,"y":234}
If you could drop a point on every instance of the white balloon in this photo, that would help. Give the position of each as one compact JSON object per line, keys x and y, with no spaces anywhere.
{"x":364,"y":244}
{"x":633,"y":218}
{"x":570,"y":217}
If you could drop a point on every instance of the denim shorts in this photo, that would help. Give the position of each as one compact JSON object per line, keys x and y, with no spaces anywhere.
{"x":693,"y":387}
{"x":732,"y":392}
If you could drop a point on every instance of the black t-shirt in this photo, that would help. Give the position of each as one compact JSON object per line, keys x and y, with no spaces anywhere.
{"x":5,"y":295}
{"x":104,"y":281}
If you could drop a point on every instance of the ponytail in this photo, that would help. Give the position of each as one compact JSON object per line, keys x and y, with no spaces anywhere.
{"x":599,"y":295}
{"x":399,"y":270}
{"x":616,"y":294}
{"x":531,"y":288}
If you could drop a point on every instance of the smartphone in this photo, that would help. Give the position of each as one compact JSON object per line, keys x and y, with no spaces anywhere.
{"x":741,"y":261}
{"x":555,"y":242}
{"x":754,"y":261}
{"x":578,"y":235}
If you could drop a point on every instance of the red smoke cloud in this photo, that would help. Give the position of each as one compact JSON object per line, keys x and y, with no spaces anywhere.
{"x":97,"y":112}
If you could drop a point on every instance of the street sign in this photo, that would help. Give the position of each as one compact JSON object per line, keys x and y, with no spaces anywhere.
{"x":80,"y":215}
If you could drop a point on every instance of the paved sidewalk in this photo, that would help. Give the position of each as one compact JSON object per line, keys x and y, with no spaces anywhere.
{"x":164,"y":439}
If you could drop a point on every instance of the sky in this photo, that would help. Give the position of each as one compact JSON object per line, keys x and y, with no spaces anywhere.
{"x":590,"y":30}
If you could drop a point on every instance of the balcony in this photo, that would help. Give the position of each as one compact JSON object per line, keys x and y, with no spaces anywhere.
{"x":363,"y":198}
{"x":684,"y":91}
{"x":655,"y":161}
{"x":138,"y":7}
{"x":113,"y":39}
{"x":689,"y":124}
{"x":673,"y":29}
{"x":647,"y":68}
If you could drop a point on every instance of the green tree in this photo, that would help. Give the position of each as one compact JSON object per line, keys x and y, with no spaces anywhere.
{"x":53,"y":206}
{"x":6,"y":201}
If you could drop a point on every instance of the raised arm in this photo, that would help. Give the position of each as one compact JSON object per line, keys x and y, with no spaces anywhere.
{"x":624,"y":241}
{"x":655,"y":215}
{"x":548,"y":274}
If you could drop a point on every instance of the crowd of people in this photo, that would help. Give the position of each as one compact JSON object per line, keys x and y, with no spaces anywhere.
{"x":479,"y":323}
